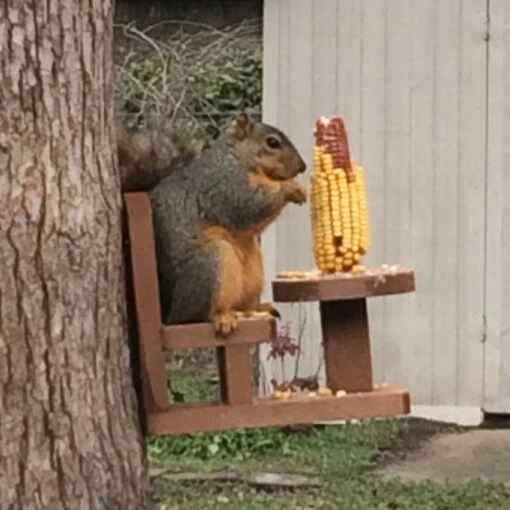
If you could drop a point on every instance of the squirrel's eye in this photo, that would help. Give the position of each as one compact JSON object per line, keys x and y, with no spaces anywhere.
{"x":273,"y":142}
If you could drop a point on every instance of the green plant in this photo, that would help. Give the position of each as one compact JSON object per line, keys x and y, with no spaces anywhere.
{"x":227,"y":84}
{"x":233,"y":445}
{"x":194,"y":83}
{"x":189,"y":387}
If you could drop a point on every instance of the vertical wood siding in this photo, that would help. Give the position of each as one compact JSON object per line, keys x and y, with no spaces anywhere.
{"x":410,"y":78}
{"x":497,"y":346}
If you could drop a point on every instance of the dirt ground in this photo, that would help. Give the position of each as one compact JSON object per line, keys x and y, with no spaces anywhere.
{"x":441,"y":453}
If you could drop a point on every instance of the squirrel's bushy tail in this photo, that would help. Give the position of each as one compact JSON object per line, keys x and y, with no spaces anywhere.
{"x":147,"y":158}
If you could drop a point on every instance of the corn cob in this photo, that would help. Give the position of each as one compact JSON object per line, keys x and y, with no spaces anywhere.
{"x":339,"y":215}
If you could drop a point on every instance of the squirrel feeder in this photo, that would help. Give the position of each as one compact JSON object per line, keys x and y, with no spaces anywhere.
{"x":342,"y":303}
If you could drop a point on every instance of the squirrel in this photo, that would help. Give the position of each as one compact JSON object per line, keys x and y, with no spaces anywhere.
{"x":209,"y":211}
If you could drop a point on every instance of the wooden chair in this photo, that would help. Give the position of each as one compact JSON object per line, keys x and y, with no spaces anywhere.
{"x":346,"y":347}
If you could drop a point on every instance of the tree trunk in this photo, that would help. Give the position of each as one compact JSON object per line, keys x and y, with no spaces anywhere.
{"x":69,"y":434}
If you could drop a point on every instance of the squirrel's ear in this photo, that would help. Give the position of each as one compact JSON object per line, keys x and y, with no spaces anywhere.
{"x":241,"y":126}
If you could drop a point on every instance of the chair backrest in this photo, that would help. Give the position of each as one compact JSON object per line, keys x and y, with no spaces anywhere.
{"x":147,"y":304}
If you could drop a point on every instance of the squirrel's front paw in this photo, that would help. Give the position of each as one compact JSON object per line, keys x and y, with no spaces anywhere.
{"x":295,"y":192}
{"x":225,"y":323}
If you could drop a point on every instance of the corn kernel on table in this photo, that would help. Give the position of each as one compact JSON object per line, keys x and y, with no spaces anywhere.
{"x":344,"y":320}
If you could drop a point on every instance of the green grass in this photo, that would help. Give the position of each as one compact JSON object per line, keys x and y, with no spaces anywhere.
{"x":193,"y":387}
{"x":343,"y":456}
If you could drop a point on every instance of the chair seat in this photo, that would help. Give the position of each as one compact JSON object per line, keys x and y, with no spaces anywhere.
{"x":250,"y":331}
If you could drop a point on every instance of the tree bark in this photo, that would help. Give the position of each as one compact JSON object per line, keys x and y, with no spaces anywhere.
{"x":69,"y":433}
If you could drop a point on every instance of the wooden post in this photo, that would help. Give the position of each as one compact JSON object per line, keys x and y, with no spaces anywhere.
{"x":235,"y":374}
{"x":346,"y":339}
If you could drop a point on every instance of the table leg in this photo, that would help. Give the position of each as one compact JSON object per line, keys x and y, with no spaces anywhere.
{"x":346,"y":341}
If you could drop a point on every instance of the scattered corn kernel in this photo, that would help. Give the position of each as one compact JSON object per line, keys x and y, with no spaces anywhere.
{"x":324,"y":392}
{"x":341,"y":393}
{"x":278,"y":395}
{"x":287,"y":394}
{"x":291,"y":274}
{"x":312,"y":394}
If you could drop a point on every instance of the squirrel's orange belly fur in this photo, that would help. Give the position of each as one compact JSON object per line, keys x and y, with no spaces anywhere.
{"x":241,"y":274}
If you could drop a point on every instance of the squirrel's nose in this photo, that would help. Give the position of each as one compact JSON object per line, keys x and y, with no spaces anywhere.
{"x":302,"y":167}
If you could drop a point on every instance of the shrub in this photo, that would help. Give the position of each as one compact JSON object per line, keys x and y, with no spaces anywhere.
{"x":194,"y":82}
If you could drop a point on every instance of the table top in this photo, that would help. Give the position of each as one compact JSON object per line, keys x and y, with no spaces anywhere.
{"x":313,"y":286}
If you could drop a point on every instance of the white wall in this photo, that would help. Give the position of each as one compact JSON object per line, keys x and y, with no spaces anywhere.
{"x":425,"y":98}
{"x":497,"y":347}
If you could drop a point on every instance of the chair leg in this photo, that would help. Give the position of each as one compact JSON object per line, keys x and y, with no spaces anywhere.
{"x":235,"y":374}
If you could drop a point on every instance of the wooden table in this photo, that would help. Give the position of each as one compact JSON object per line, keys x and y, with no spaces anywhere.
{"x":343,"y":310}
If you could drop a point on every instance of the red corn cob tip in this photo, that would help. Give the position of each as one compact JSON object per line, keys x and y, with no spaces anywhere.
{"x":332,"y":135}
{"x":319,"y":132}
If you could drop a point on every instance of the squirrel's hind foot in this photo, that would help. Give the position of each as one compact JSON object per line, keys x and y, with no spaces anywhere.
{"x":225,"y":323}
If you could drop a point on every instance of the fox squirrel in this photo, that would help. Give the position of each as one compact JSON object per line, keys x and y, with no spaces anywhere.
{"x":208,"y":215}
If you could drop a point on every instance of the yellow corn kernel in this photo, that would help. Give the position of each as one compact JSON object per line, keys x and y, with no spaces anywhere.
{"x":314,"y":200}
{"x":348,"y":263}
{"x":339,"y":264}
{"x":324,"y":392}
{"x":327,"y":163}
{"x":317,"y":159}
{"x":322,"y":224}
{"x":334,"y":207}
{"x":364,"y":217}
{"x":345,"y":210}
{"x":355,"y":215}
{"x":327,"y":215}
